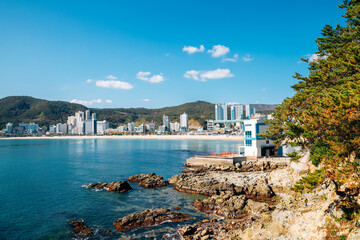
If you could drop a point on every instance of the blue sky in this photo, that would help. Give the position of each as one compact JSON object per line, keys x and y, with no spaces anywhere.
{"x":138,"y":53}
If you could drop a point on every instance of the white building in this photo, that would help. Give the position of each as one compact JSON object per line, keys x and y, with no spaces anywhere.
{"x":210,"y":126}
{"x":221,"y":112}
{"x":184,"y":122}
{"x":254,"y":145}
{"x":59,"y":128}
{"x":64,"y":129}
{"x":174,"y":127}
{"x":249,"y":112}
{"x":237,"y":111}
{"x":87,"y":115}
{"x":131,"y":127}
{"x":102,"y":126}
{"x":9,"y":128}
{"x":33,"y":128}
{"x":52,"y":129}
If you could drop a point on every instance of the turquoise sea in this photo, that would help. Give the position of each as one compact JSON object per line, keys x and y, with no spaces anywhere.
{"x":41,"y":184}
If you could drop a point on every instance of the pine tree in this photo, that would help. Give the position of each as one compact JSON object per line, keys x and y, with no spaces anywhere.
{"x":323,"y":116}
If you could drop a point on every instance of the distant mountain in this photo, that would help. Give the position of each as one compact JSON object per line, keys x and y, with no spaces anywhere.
{"x":22,"y":108}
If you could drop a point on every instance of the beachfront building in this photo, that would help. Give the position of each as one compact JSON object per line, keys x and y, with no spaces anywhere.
{"x":184,"y":122}
{"x":249,"y":111}
{"x":87,"y":115}
{"x":221,"y":112}
{"x":33,"y":128}
{"x":237,"y":111}
{"x":255,"y":145}
{"x":101,"y":127}
{"x":210,"y":126}
{"x":131,"y":127}
{"x":151,"y":126}
{"x":52,"y":129}
{"x":174,"y":127}
{"x":166,"y":122}
{"x":9,"y":128}
{"x":22,"y":128}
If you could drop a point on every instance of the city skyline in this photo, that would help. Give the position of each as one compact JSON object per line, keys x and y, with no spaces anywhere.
{"x":121,"y":55}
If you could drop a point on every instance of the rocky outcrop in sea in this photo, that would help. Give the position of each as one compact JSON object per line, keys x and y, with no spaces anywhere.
{"x":150,"y":180}
{"x":149,"y":218}
{"x":117,"y":186}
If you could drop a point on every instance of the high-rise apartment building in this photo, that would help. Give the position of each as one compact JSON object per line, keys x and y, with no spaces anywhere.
{"x":221,"y":112}
{"x":184,"y":122}
{"x":166,"y":122}
{"x":237,"y":111}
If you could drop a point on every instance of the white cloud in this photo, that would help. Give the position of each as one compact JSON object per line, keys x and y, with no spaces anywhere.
{"x":247,"y":58}
{"x":90,"y":102}
{"x":192,"y":74}
{"x":263,"y":89}
{"x":113,"y":84}
{"x":191,"y":49}
{"x":156,"y":79}
{"x":219,"y":51}
{"x":145,"y":76}
{"x":203,"y":76}
{"x":314,"y":57}
{"x":146,"y":100}
{"x":89,"y":80}
{"x":234,"y":59}
{"x":108,"y":101}
{"x":111,"y":77}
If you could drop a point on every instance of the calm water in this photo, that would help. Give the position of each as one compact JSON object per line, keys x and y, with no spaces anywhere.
{"x":40,"y":184}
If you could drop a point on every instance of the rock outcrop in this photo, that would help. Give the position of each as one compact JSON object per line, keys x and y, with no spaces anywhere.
{"x":81,"y":230}
{"x":253,"y":185}
{"x":150,"y":180}
{"x":244,"y":166}
{"x":231,"y":206}
{"x":149,"y":218}
{"x":117,"y":186}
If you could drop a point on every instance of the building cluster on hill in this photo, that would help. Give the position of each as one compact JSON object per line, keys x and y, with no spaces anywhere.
{"x":166,"y":127}
{"x":85,"y":123}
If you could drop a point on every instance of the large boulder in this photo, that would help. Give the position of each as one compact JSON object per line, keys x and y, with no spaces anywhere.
{"x":231,"y":206}
{"x":150,"y":180}
{"x":253,"y":185}
{"x":82,"y":230}
{"x":149,"y":218}
{"x":117,"y":186}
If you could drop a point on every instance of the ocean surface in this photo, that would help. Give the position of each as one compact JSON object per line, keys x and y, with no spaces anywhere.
{"x":41,"y":184}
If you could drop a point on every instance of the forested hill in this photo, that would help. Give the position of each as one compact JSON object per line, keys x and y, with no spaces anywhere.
{"x":22,"y":108}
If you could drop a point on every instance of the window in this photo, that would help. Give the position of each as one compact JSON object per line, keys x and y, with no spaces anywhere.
{"x":248,"y":143}
{"x":267,"y":141}
{"x":248,"y":134}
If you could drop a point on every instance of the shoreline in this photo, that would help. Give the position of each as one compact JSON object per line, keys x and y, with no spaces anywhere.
{"x":153,"y":137}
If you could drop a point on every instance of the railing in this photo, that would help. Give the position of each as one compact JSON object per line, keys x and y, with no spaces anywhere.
{"x":223,"y":154}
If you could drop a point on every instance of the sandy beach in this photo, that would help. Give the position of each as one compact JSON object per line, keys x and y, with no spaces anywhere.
{"x":155,"y":137}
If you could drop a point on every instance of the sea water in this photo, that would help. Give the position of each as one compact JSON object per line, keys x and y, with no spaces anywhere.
{"x":41,"y":184}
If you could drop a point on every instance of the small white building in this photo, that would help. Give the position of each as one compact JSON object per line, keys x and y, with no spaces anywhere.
{"x":254,"y":145}
{"x":257,"y":146}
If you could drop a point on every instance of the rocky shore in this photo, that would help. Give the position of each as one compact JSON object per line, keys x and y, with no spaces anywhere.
{"x":253,"y":185}
{"x":252,"y":200}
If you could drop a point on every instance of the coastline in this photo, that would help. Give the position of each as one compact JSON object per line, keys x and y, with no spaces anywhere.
{"x":153,"y":137}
